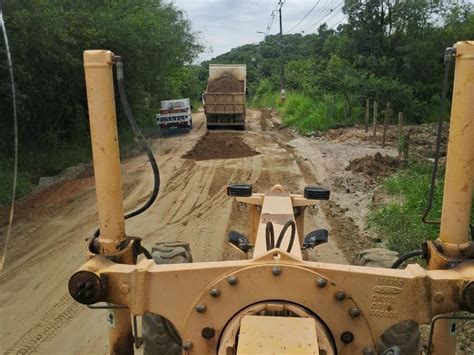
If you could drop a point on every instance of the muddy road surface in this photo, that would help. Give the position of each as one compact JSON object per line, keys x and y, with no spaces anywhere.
{"x":48,"y":239}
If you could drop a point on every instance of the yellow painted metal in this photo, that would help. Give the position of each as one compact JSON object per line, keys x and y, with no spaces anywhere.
{"x":103,"y":125}
{"x":277,"y":335}
{"x":276,"y":208}
{"x":459,"y":180}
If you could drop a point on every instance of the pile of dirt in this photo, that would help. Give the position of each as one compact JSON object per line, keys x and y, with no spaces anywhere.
{"x":220,"y":146}
{"x":376,"y":165}
{"x":225,"y":83}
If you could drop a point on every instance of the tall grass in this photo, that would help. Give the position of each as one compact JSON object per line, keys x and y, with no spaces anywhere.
{"x":399,"y":222}
{"x":309,"y":115}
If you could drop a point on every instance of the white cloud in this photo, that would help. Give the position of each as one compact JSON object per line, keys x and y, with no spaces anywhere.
{"x":226,"y":24}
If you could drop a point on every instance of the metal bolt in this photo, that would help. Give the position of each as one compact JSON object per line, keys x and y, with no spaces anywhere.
{"x":439,"y":297}
{"x":124,"y":288}
{"x":208,"y":332}
{"x":347,"y":337}
{"x":201,"y":308}
{"x":276,"y":270}
{"x":321,"y":282}
{"x":187,"y":345}
{"x":340,"y":296}
{"x":368,"y":351}
{"x":214,"y":292}
{"x":232,"y":280}
{"x":354,"y":312}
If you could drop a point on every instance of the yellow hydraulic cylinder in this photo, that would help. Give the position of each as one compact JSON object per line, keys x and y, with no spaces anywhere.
{"x":458,"y":188}
{"x":105,"y":149}
{"x":103,"y":124}
{"x":459,"y":179}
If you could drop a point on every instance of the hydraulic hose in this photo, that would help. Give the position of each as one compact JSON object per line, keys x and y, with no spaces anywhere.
{"x":270,"y":236}
{"x":406,"y":256}
{"x":442,"y":112}
{"x":140,"y":139}
{"x":288,"y":224}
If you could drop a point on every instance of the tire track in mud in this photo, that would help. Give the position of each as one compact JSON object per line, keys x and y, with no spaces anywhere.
{"x":346,"y":233}
{"x":33,"y":259}
{"x":203,"y":204}
{"x":48,"y":326}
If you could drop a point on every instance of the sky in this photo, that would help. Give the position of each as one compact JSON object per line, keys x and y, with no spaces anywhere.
{"x":226,"y":24}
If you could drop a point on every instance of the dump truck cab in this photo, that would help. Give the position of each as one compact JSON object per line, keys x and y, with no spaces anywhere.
{"x":175,"y":114}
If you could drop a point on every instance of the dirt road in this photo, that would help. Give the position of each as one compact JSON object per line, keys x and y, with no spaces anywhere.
{"x":39,"y":316}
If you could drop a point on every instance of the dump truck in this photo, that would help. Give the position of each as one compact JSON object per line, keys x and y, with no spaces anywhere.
{"x":274,"y":300}
{"x":175,"y":114}
{"x":224,"y":99}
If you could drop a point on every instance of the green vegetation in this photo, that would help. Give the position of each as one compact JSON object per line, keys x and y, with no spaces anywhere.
{"x":388,"y":51}
{"x":399,"y":222}
{"x":305,"y":114}
{"x":47,"y":38}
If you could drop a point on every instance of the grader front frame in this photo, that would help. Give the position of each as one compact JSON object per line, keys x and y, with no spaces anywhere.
{"x":275,"y":301}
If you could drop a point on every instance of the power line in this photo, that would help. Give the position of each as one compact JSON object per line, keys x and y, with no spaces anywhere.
{"x":322,"y":13}
{"x":270,"y":20}
{"x":305,"y":16}
{"x":331,"y":11}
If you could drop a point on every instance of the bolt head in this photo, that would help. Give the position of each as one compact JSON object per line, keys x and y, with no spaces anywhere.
{"x":124,"y":288}
{"x":354,"y":312}
{"x":214,"y":292}
{"x":439,"y":297}
{"x":321,"y":282}
{"x":187,"y":345}
{"x":201,"y":308}
{"x":347,"y":337}
{"x":276,"y":270}
{"x":340,"y":296}
{"x":208,"y":332}
{"x":232,"y":280}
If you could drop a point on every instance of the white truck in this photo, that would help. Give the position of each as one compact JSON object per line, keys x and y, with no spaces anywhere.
{"x":175,"y":114}
{"x":224,"y":99}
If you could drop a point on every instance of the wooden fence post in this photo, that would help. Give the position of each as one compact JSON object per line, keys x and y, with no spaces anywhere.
{"x":385,"y":123}
{"x":401,"y":135}
{"x":374,"y":123}
{"x":367,"y":114}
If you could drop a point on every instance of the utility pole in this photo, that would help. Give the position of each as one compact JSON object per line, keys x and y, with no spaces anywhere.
{"x":282,"y":64}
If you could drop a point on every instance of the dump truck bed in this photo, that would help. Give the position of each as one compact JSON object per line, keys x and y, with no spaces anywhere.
{"x":224,"y":100}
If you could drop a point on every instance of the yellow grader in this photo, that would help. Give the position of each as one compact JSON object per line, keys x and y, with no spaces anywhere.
{"x":275,"y":301}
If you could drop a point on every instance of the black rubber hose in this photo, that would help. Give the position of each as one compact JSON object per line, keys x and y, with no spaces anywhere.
{"x":145,"y":252}
{"x":441,"y":115}
{"x":291,"y":224}
{"x":270,"y":236}
{"x":406,"y":256}
{"x":141,"y":139}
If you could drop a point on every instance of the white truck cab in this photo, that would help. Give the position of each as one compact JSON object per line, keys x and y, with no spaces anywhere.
{"x":175,"y":114}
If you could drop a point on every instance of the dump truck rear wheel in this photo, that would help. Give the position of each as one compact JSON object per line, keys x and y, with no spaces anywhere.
{"x":159,"y":335}
{"x":405,"y":335}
